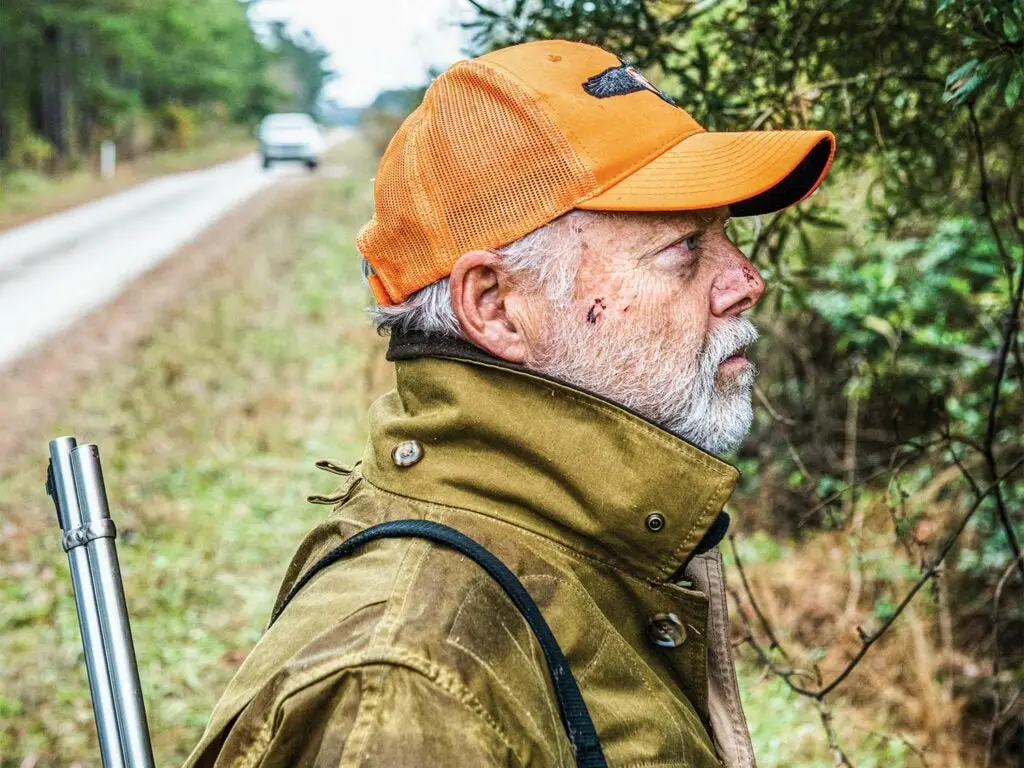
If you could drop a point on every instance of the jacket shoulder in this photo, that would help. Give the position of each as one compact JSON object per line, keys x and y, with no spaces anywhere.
{"x":426,"y":619}
{"x":398,"y":712}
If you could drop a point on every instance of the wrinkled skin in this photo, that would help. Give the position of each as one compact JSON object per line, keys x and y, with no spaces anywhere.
{"x":655,"y":295}
{"x":675,"y":272}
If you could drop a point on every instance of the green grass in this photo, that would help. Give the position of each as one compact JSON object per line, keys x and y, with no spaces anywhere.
{"x":786,"y":729}
{"x":208,"y":433}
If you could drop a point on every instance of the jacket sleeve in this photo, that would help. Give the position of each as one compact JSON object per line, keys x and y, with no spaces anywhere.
{"x":382,"y":715}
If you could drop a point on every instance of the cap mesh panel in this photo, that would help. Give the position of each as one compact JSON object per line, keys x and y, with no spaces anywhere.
{"x":479,"y":164}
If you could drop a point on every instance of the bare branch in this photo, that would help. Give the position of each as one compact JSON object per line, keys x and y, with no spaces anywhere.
{"x":979,"y":148}
{"x":871,"y":639}
{"x":963,"y":469}
{"x":918,"y":752}
{"x":835,"y":496}
{"x":1008,"y":334}
{"x":766,"y":404}
{"x":839,"y":758}
{"x":775,"y":644}
{"x":867,"y":640}
{"x":785,"y":673}
{"x":778,"y":417}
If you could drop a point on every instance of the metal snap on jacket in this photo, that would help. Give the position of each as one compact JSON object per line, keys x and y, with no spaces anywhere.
{"x":655,"y":522}
{"x":408,"y":453}
{"x":666,"y":630}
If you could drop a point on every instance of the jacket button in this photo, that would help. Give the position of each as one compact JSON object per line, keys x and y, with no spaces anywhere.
{"x":655,"y":522}
{"x":408,"y":453}
{"x":666,"y":630}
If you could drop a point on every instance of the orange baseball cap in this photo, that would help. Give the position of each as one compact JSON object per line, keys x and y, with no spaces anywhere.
{"x":507,"y":142}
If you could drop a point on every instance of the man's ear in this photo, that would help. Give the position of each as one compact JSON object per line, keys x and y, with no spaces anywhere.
{"x":481,"y":297}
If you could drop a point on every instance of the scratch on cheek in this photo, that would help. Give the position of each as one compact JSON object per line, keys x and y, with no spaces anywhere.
{"x":595,"y":310}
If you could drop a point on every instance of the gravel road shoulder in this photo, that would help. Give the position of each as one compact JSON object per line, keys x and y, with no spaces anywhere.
{"x":36,"y":385}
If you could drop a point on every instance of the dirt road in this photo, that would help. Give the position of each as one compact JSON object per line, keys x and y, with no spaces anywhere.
{"x":53,"y":271}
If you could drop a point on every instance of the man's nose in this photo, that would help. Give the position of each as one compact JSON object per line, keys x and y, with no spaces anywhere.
{"x":737,"y":288}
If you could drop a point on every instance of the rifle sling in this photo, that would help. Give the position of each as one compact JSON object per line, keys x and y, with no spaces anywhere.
{"x":575,"y":717}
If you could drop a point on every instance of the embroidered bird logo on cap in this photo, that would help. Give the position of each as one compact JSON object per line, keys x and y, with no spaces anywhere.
{"x":620,"y":80}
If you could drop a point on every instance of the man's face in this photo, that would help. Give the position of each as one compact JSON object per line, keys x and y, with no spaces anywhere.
{"x":654,"y":322}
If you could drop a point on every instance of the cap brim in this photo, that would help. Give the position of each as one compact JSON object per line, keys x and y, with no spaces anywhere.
{"x":753,"y":172}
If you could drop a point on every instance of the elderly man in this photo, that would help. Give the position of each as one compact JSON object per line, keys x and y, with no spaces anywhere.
{"x":549,"y":252}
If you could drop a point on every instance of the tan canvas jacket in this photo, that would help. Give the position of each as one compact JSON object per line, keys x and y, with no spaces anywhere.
{"x":408,"y":654}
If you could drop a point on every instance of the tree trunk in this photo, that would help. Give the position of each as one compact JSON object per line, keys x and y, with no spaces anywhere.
{"x":53,"y":102}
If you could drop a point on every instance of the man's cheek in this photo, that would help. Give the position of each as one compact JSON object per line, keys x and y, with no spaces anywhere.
{"x":533,"y":317}
{"x":658,"y":303}
{"x":603,"y":297}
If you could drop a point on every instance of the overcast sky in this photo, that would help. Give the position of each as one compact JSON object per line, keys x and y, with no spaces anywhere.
{"x":377,"y":44}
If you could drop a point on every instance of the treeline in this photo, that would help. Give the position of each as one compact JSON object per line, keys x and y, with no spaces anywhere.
{"x":142,"y":73}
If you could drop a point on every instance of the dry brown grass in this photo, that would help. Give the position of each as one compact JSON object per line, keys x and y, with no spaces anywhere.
{"x":908,"y":678}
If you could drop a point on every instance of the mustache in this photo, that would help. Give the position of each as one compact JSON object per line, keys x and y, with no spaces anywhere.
{"x":728,"y":339}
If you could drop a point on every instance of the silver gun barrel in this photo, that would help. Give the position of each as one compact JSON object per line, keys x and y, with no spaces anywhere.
{"x":77,"y":485}
{"x":70,"y":518}
{"x":117,"y":635}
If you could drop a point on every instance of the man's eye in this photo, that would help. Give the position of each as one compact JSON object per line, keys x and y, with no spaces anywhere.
{"x":681,"y":253}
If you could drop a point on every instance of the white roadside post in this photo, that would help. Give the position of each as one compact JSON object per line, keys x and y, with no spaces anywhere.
{"x":108,"y":159}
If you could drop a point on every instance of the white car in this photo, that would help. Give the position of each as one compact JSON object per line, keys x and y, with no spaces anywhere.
{"x":290,"y":136}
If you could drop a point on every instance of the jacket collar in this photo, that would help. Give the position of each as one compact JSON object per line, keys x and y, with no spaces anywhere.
{"x":541,"y":455}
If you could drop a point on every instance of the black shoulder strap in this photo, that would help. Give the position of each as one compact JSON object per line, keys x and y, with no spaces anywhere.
{"x":575,"y":717}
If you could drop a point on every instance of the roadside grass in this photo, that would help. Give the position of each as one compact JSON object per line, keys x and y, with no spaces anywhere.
{"x":25,"y":195}
{"x":208,"y":431}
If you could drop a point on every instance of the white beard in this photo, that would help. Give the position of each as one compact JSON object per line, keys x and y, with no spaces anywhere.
{"x":674,"y":385}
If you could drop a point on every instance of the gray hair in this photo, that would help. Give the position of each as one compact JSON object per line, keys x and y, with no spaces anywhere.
{"x":547,"y":258}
